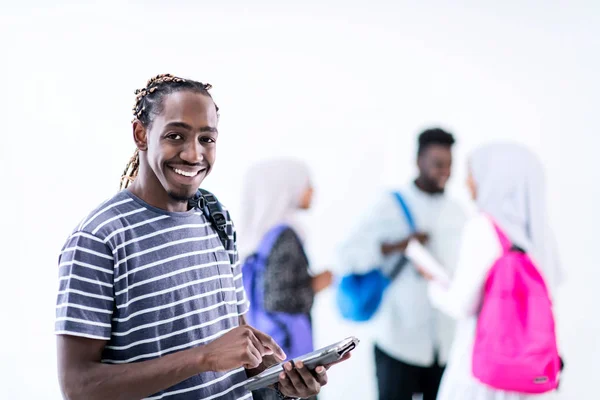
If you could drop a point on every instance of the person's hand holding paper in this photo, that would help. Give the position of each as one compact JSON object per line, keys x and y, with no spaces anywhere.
{"x":428,"y":266}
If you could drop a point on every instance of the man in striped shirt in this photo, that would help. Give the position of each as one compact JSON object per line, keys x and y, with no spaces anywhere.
{"x":150,"y":301}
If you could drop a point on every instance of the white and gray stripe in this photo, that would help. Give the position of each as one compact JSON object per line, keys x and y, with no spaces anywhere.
{"x":150,"y":283}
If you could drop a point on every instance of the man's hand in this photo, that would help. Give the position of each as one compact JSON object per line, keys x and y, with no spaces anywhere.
{"x":299,"y":381}
{"x":400,"y":247}
{"x":424,"y":273}
{"x":421,"y":237}
{"x":243,"y":346}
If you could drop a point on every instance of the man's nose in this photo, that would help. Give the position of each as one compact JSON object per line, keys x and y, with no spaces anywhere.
{"x":192,"y":153}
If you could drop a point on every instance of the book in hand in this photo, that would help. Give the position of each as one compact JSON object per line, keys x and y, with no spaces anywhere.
{"x":420,"y":256}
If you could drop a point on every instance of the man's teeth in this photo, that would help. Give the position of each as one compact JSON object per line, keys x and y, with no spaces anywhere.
{"x":185,"y":173}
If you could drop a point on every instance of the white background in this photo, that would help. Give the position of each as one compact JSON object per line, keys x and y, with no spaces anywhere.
{"x":344,"y":85}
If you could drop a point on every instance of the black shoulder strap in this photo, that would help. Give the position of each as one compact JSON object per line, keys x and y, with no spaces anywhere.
{"x":212,"y":209}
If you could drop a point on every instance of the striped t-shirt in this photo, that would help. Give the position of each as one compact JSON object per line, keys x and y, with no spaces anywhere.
{"x":152,"y":282}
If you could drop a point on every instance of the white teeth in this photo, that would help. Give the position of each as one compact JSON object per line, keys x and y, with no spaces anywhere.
{"x":184,"y":173}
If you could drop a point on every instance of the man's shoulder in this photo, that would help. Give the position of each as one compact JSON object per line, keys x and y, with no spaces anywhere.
{"x":106,"y":212}
{"x":387,"y":197}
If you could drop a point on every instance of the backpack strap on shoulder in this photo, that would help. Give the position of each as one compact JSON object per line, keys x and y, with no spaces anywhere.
{"x":412,"y":226}
{"x":268,"y":241}
{"x":255,"y":264}
{"x":505,"y":242}
{"x":213,"y":211}
{"x":407,"y":214}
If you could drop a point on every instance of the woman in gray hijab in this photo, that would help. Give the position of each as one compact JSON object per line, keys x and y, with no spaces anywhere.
{"x":507,"y":183}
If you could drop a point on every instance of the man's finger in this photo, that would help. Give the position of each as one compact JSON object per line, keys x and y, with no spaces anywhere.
{"x":321,"y":375}
{"x":259,"y":346}
{"x":270,"y":343}
{"x":309,"y":379}
{"x":253,"y":358}
{"x":285,"y":385}
{"x":294,"y":376}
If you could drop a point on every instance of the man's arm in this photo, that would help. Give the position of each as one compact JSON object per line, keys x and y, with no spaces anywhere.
{"x":368,"y":243}
{"x":83,"y":376}
{"x":400,"y":247}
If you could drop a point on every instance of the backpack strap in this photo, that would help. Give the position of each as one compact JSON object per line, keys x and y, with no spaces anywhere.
{"x":411,"y":226}
{"x":268,"y":241}
{"x":259,"y":265}
{"x":505,"y":242}
{"x":255,"y":264}
{"x":213,"y":211}
{"x":409,"y":218}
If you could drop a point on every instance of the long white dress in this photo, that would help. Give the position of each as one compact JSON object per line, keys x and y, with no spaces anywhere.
{"x":480,"y":247}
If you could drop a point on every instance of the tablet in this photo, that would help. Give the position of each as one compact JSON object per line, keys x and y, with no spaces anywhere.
{"x":324,"y":356}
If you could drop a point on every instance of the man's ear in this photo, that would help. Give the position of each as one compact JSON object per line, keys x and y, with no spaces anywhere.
{"x":419,"y":162}
{"x":140,"y":136}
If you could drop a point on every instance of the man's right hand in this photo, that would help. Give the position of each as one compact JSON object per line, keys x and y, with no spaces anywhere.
{"x":421,"y":237}
{"x":82,"y":375}
{"x":400,"y":247}
{"x":243,"y":346}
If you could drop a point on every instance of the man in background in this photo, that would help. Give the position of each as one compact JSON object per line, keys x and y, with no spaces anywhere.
{"x":411,"y":338}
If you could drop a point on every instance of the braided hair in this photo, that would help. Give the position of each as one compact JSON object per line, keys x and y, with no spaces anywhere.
{"x":149,"y":103}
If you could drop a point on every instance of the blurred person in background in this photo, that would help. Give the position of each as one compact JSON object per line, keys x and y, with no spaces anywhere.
{"x":276,"y":269}
{"x":412,"y":339}
{"x":507,"y":183}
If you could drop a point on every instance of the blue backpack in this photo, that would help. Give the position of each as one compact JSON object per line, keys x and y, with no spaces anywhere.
{"x":359,"y":295}
{"x":293,"y":332}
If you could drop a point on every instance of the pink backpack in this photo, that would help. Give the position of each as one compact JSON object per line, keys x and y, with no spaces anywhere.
{"x":515,"y":344}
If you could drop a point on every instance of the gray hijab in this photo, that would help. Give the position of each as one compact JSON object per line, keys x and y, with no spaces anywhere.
{"x":271,"y":196}
{"x":511,"y":188}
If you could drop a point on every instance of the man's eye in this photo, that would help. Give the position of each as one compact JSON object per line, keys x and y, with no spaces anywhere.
{"x":174,"y":136}
{"x":207,"y":139}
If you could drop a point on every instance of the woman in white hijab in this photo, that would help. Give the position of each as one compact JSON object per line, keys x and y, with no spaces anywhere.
{"x":507,"y":183}
{"x":274,"y":192}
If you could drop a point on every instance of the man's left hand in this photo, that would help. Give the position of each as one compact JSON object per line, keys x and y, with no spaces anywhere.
{"x":424,"y":273}
{"x":299,"y":381}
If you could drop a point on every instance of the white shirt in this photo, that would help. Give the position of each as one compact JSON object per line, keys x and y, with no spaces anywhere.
{"x":406,"y":326}
{"x":479,"y":249}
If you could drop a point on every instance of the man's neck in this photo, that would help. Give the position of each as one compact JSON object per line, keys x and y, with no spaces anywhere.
{"x":156,"y":196}
{"x":427,"y":189}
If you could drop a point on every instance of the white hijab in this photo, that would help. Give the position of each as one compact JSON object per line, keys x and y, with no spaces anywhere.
{"x":511,"y":188}
{"x":271,"y":195}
